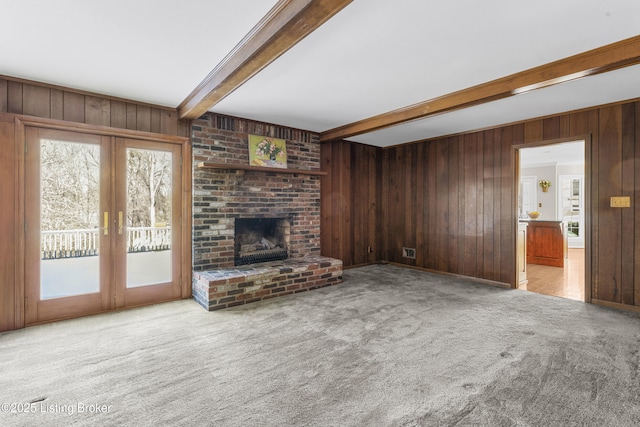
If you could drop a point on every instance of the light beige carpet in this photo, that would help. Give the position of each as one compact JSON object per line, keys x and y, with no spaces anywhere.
{"x":388,"y":347}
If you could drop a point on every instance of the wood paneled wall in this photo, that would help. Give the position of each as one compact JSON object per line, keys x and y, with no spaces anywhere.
{"x":447,"y":199}
{"x":33,"y":99}
{"x":348,"y":205}
{"x":452,"y":199}
{"x":8,"y":191}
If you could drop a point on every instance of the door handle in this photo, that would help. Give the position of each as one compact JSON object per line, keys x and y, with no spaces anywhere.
{"x":119,"y":222}
{"x":106,"y":223}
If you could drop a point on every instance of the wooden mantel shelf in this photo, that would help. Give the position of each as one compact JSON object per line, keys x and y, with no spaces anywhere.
{"x":211,"y":165}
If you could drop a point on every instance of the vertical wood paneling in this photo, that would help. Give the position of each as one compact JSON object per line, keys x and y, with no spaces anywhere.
{"x":579,"y":123}
{"x":337,"y":196}
{"x":410,"y":191}
{"x":565,"y":122}
{"x":4,"y":95}
{"x":497,"y":230}
{"x":479,"y":213}
{"x":442,"y":206}
{"x":360,"y":190}
{"x":143,"y":118}
{"x":487,"y":257}
{"x":373,"y":201}
{"x":636,"y":204}
{"x":608,"y":274}
{"x":628,"y":185}
{"x":97,"y":111}
{"x":118,"y":116}
{"x":551,"y":128}
{"x":431,"y":194}
{"x":156,"y":125}
{"x":337,"y":234}
{"x":357,"y":211}
{"x":182,"y":127}
{"x":8,"y":225}
{"x":592,"y":267}
{"x":389,"y":180}
{"x":54,"y":103}
{"x":392,"y":201}
{"x":346,"y":230}
{"x":57,"y":104}
{"x":510,"y":135}
{"x":403,"y":203}
{"x":73,"y":109}
{"x":470,"y":231}
{"x":533,"y":131}
{"x":396,"y":232}
{"x":383,"y":250}
{"x":455,"y":145}
{"x":169,"y":123}
{"x":36,"y":101}
{"x":326,"y":209}
{"x":132,"y":116}
{"x":421,"y":207}
{"x":14,"y":98}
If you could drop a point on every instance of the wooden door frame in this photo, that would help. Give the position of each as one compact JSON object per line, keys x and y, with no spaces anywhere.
{"x":515,"y":155}
{"x":125,"y":297}
{"x":37,"y":310}
{"x":22,"y":122}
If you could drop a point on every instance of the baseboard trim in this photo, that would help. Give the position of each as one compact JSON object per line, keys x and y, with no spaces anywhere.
{"x":459,"y":276}
{"x":615,"y":305}
{"x":366,"y":264}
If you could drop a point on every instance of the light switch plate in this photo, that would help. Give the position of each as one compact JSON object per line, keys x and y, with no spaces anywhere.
{"x":621,"y":202}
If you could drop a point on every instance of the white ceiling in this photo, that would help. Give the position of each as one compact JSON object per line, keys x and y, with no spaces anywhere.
{"x":372,"y":57}
{"x":565,"y":153}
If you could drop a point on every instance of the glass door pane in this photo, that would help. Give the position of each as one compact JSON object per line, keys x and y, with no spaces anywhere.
{"x":571,"y":202}
{"x":67,"y":229}
{"x":69,"y":218}
{"x":148,"y":217}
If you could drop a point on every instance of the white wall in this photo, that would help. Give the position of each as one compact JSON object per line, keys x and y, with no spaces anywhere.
{"x":548,"y":210}
{"x":570,"y":170}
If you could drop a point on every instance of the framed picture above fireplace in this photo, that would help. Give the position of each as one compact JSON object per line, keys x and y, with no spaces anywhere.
{"x":267,"y":152}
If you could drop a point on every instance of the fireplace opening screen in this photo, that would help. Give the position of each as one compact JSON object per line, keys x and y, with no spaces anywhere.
{"x":261,"y":240}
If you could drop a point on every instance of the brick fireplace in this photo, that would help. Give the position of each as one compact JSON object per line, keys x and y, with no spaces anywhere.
{"x":227,"y":196}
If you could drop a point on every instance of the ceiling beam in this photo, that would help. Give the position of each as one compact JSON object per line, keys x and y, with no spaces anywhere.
{"x":603,"y":59}
{"x":288,"y":22}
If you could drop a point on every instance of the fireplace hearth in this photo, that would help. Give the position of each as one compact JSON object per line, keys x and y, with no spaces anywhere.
{"x":261,"y":240}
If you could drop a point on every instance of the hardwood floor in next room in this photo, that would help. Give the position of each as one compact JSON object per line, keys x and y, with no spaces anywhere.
{"x":567,"y":282}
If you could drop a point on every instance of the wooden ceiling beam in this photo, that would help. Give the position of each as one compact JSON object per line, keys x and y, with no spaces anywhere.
{"x":596,"y":61}
{"x":288,"y":22}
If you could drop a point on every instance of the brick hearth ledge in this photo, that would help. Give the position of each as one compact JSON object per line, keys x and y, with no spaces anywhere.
{"x":229,"y":287}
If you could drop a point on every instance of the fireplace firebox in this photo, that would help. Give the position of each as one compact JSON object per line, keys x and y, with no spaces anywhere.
{"x":261,"y":240}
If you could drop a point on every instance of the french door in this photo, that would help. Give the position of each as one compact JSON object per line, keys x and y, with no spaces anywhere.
{"x":102,"y":224}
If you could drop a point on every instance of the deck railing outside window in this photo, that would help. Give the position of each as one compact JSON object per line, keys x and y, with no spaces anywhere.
{"x":81,"y":243}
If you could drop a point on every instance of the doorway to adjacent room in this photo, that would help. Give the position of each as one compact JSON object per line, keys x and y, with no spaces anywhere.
{"x":551,"y":219}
